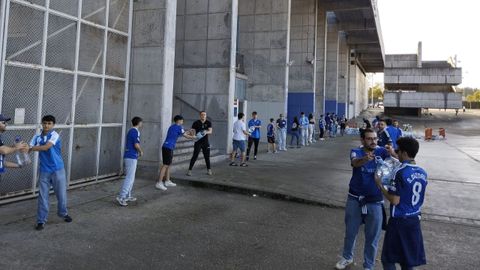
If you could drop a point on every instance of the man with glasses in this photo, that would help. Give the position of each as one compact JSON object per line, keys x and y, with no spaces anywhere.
{"x":7,"y":150}
{"x":364,"y":202}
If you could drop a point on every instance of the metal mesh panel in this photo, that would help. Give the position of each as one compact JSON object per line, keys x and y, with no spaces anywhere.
{"x":57,"y":96}
{"x":113,"y":101}
{"x":118,"y":17}
{"x":110,"y":150}
{"x":88,"y":100}
{"x":20,"y":90}
{"x":116,"y":55}
{"x":84,"y":153}
{"x":61,"y":43}
{"x":15,"y":180}
{"x":66,"y":6}
{"x":94,"y":11}
{"x":65,"y":138}
{"x":37,"y":2}
{"x":24,"y":42}
{"x":91,"y":49}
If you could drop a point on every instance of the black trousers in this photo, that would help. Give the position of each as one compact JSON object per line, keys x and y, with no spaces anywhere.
{"x":250,"y":142}
{"x":322,"y":132}
{"x":205,"y":147}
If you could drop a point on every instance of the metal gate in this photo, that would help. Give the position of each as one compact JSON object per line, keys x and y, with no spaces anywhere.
{"x":68,"y":58}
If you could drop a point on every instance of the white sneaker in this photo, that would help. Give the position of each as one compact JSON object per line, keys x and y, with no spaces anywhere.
{"x":189,"y":173}
{"x":122,"y":201}
{"x":343,"y":263}
{"x":131,"y":199}
{"x":160,"y":186}
{"x":169,"y":183}
{"x":209,"y":172}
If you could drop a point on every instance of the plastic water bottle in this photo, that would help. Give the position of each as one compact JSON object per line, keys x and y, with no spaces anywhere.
{"x":22,"y":158}
{"x":384,"y":170}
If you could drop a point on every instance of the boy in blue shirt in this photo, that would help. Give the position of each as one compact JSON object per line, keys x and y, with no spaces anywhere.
{"x":364,"y":202}
{"x":254,"y":137}
{"x":392,"y":132}
{"x":52,"y":172}
{"x":271,"y":136}
{"x":132,"y":152}
{"x":383,"y":135}
{"x":174,"y":132}
{"x":403,"y":242}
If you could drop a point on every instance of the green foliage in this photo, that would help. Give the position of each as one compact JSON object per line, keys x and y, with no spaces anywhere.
{"x":377,"y":93}
{"x":474,"y":97}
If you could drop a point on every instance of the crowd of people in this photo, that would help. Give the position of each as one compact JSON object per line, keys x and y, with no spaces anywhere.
{"x":403,"y":242}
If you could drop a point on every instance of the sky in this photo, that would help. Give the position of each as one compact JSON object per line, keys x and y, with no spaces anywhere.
{"x":446,"y":28}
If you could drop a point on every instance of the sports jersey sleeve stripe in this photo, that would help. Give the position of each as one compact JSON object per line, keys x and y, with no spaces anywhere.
{"x":54,"y":138}
{"x":33,"y":142}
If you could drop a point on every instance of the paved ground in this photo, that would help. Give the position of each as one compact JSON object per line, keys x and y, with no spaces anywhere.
{"x":196,"y":228}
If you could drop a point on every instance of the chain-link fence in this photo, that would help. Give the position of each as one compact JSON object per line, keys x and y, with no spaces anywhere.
{"x":69,"y":59}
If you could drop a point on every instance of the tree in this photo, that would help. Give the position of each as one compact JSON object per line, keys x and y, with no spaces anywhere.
{"x":474,"y":97}
{"x":377,"y":93}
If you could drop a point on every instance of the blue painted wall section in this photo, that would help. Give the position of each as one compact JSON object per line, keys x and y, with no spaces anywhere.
{"x":342,"y":109}
{"x":330,"y":106}
{"x":297,"y":103}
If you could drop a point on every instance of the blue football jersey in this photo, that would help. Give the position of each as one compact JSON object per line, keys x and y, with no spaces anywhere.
{"x":410,"y":183}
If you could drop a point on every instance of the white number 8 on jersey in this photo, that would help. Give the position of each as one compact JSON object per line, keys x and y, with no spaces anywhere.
{"x":417,"y":188}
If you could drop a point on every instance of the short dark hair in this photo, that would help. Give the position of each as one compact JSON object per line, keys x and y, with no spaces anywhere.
{"x":408,"y":145}
{"x":271,"y":119}
{"x":302,"y":113}
{"x":177,"y":118}
{"x":48,"y":118}
{"x":367,"y":130}
{"x":382,"y":120}
{"x":254,"y":113}
{"x":136,"y":120}
{"x":241,"y":115}
{"x":202,"y":112}
{"x":389,"y":122}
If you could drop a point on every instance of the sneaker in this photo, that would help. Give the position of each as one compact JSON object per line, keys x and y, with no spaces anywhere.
{"x":243,"y":165}
{"x":40,"y":226}
{"x":160,"y":186}
{"x":233,"y":164}
{"x":122,"y":202}
{"x":169,"y":183}
{"x":343,"y":263}
{"x":131,"y":199}
{"x":67,"y":218}
{"x":254,"y":157}
{"x":209,"y":172}
{"x":275,"y":151}
{"x":189,"y":173}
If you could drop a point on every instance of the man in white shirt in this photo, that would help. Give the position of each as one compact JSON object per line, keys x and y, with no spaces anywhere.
{"x":239,"y":138}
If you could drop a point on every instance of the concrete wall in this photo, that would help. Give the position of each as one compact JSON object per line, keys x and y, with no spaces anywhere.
{"x":358,"y":91}
{"x":343,"y":76}
{"x":302,"y":45}
{"x":332,"y":67}
{"x":423,"y":100}
{"x":152,"y":74}
{"x":423,"y":76}
{"x":263,"y":39}
{"x":202,"y":63}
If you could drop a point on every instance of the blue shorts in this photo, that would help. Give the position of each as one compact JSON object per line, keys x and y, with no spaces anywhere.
{"x":404,"y":242}
{"x":239,"y":145}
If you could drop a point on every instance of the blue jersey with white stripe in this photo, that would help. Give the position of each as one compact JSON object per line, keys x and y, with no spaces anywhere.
{"x":50,"y":160}
{"x":410,"y":183}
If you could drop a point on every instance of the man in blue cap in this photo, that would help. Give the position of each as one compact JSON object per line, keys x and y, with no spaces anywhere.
{"x":7,"y":150}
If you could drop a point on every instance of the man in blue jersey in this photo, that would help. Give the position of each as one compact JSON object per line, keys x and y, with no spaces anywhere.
{"x":364,"y":202}
{"x":52,"y":172}
{"x":133,"y":151}
{"x":254,"y":124}
{"x":174,"y":132}
{"x":282,"y":133}
{"x":271,"y":136}
{"x":383,"y":135}
{"x":303,"y":129}
{"x":403,"y":242}
{"x":399,"y":129}
{"x":392,"y":132}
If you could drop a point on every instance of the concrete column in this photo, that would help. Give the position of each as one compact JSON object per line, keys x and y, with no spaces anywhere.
{"x":332,"y":66}
{"x":151,"y":82}
{"x":320,"y":56}
{"x":342,"y":75}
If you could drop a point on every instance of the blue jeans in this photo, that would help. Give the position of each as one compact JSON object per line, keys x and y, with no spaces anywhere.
{"x":294,"y":135}
{"x":373,"y":227}
{"x":282,"y":139}
{"x":304,"y":135}
{"x":130,"y":169}
{"x":58,"y":181}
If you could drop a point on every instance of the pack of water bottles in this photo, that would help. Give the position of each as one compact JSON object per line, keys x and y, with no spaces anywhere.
{"x":200,"y":134}
{"x":386,"y":169}
{"x":22,"y":158}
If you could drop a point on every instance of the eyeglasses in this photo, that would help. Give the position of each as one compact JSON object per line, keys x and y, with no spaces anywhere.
{"x":371,"y":139}
{"x":3,"y":122}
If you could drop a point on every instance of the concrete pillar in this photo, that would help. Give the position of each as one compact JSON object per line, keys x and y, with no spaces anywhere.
{"x":151,"y":82}
{"x":332,"y":66}
{"x":320,"y":55}
{"x":343,"y":66}
{"x":263,"y":41}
